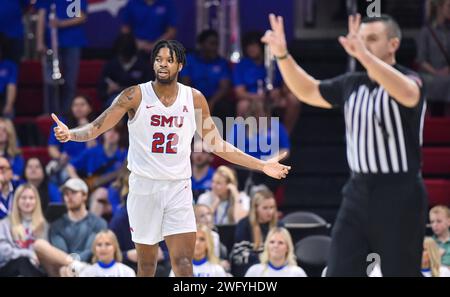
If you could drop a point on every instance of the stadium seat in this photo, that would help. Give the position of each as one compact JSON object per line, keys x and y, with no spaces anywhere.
{"x":39,"y":152}
{"x":438,"y":191}
{"x":30,"y":101}
{"x":312,"y":253}
{"x":436,"y":131}
{"x":90,"y":71}
{"x":436,"y":161}
{"x":44,"y":124}
{"x":304,"y":217}
{"x":30,"y":73}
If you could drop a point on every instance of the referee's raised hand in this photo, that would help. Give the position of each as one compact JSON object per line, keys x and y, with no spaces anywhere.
{"x":353,"y":43}
{"x":275,"y":38}
{"x":61,"y":130}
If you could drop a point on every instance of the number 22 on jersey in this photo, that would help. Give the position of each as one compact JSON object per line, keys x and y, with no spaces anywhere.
{"x":163,"y":144}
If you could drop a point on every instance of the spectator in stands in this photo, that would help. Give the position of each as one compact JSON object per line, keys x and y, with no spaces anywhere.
{"x":205,"y":262}
{"x":107,"y":258}
{"x":76,"y":230}
{"x":106,"y":201}
{"x":249,"y":81}
{"x":35,"y":175}
{"x":120,"y":225}
{"x":18,"y":232}
{"x":124,"y":70}
{"x":11,"y":27}
{"x":227,"y":203}
{"x":23,"y":239}
{"x":259,"y":136}
{"x":6,"y":187}
{"x":440,"y":223}
{"x":431,"y":260}
{"x":149,"y":21}
{"x":9,"y":148}
{"x":101,"y":163}
{"x":61,"y":153}
{"x":251,"y":232}
{"x":277,"y":259}
{"x":209,"y":73}
{"x":202,"y":171}
{"x":8,"y":80}
{"x":433,"y":51}
{"x":204,"y":215}
{"x":71,"y":39}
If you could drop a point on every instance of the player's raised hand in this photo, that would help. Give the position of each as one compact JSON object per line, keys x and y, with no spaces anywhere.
{"x":275,"y":38}
{"x":61,"y":130}
{"x":353,"y":43}
{"x":274,"y":169}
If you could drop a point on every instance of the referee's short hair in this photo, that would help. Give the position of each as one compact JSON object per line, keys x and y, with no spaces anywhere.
{"x":391,"y":24}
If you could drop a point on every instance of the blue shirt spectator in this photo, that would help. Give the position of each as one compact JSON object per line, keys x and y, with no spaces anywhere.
{"x":70,"y":36}
{"x":11,"y":18}
{"x":247,"y":73}
{"x":202,"y":185}
{"x":149,"y":20}
{"x":206,"y":75}
{"x":94,"y":159}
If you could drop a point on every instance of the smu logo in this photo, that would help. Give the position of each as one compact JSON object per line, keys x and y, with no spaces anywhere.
{"x":163,"y":121}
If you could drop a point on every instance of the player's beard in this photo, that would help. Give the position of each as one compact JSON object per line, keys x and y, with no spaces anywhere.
{"x":165,"y":81}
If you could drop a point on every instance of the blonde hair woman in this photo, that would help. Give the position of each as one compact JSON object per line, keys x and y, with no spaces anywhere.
{"x":23,"y":238}
{"x":252,"y":230}
{"x":205,"y":262}
{"x":227,"y":203}
{"x":107,"y":258}
{"x":9,"y":148}
{"x":277,"y":259}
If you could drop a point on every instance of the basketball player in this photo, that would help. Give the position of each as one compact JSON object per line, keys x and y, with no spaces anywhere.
{"x":384,"y":205}
{"x":163,"y":117}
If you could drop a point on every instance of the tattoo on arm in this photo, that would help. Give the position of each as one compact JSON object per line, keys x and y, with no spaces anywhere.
{"x":83,"y":133}
{"x":86,"y":132}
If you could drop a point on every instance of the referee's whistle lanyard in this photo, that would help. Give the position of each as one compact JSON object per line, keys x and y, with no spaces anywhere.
{"x":224,"y":215}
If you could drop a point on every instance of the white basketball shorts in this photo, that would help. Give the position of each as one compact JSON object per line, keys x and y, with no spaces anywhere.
{"x":158,"y":208}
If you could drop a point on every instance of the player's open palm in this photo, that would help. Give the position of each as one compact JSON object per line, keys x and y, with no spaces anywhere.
{"x":61,"y":130}
{"x":274,"y":169}
{"x":353,"y":43}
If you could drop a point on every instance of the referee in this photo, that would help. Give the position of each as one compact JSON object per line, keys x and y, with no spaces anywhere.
{"x":385,"y":202}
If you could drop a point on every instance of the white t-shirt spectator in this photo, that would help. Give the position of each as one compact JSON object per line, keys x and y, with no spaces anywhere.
{"x":114,"y":269}
{"x":267,"y":270}
{"x":221,"y":215}
{"x":203,"y":268}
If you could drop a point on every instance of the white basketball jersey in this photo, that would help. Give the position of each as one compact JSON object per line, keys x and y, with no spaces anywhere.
{"x":160,"y":136}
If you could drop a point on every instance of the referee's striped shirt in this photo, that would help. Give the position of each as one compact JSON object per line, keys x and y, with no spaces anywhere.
{"x":383,"y":136}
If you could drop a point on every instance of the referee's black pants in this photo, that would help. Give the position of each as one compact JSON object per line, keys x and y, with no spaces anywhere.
{"x":382,"y":214}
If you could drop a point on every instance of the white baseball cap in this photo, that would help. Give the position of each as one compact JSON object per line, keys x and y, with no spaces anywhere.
{"x":75,"y":184}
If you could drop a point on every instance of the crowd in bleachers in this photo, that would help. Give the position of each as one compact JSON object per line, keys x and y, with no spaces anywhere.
{"x":63,"y":205}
